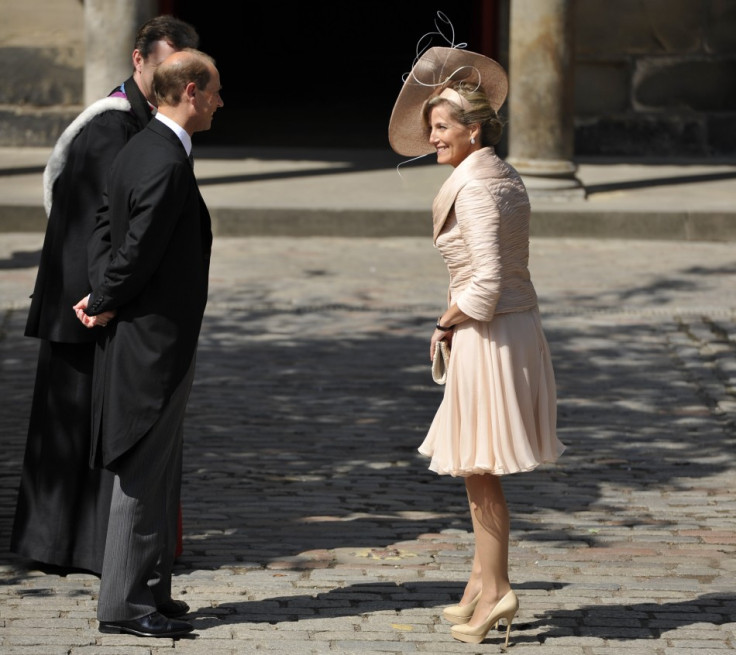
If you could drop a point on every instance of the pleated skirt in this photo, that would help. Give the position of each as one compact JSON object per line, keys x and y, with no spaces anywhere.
{"x":499,"y":410}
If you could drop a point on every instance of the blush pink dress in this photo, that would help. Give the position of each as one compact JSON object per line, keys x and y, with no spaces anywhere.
{"x":499,"y":410}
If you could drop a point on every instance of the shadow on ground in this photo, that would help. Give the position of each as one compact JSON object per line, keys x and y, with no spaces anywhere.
{"x":300,"y":439}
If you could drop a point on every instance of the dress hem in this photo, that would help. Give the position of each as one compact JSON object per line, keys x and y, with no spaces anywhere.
{"x":464,"y":473}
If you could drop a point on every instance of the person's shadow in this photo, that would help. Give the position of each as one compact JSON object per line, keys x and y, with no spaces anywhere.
{"x":645,"y":620}
{"x":609,"y":621}
{"x":20,"y":259}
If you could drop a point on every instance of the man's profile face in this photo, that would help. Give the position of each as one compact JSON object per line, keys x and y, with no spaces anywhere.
{"x":207,"y":102}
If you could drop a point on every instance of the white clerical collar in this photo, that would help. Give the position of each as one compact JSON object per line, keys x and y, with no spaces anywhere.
{"x":185,"y":139}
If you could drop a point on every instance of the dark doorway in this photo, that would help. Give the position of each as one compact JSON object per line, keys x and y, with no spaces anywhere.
{"x":319,"y":74}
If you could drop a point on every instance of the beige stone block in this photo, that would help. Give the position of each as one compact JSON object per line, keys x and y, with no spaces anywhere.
{"x":639,"y":27}
{"x":645,"y":134}
{"x":40,"y":77}
{"x":601,"y":88}
{"x":720,"y":28}
{"x":673,"y":83}
{"x":722,"y":134}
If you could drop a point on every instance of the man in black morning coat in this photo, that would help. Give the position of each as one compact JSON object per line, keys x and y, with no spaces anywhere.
{"x":149,"y":263}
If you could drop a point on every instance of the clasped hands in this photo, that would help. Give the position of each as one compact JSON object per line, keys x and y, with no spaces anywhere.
{"x":100,"y":320}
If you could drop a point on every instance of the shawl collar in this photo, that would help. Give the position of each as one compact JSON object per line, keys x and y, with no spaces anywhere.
{"x":480,"y":165}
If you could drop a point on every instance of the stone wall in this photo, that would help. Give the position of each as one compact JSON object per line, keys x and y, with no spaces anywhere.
{"x":42,"y":59}
{"x":655,"y":78}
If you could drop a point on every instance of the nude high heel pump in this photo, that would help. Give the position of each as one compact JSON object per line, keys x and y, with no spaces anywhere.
{"x":505,"y":608}
{"x":461,"y":613}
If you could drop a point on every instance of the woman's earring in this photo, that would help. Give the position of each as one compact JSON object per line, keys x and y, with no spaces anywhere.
{"x":472,"y":140}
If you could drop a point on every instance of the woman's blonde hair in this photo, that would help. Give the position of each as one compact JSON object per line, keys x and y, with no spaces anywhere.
{"x":479,"y":111}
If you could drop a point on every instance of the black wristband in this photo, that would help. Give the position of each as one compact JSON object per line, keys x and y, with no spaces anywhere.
{"x":443,"y":329}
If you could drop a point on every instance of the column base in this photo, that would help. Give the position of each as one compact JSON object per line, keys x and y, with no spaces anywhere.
{"x":550,"y":179}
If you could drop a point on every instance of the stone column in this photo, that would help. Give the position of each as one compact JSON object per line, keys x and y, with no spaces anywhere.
{"x":110,"y":27}
{"x":541,"y":97}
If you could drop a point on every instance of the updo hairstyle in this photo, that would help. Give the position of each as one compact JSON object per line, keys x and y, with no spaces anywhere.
{"x":480,"y":112}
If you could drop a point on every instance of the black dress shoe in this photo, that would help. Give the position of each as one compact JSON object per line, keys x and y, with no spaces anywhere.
{"x":154,"y":624}
{"x":173,"y":608}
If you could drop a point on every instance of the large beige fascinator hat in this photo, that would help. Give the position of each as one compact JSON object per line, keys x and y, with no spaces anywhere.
{"x":432,"y":73}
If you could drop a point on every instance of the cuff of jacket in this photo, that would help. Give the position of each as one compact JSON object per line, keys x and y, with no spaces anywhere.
{"x":94,"y":302}
{"x":476,"y":310}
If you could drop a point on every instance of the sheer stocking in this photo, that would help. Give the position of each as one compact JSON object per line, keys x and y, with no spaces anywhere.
{"x":490,"y":516}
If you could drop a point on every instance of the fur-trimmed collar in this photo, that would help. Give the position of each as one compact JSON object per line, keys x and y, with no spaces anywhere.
{"x":59,"y":154}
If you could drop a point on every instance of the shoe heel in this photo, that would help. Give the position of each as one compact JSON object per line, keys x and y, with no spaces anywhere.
{"x":508,"y":630}
{"x":109,"y":629}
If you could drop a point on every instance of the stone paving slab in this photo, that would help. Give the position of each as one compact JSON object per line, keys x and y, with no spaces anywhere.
{"x":311,"y":525}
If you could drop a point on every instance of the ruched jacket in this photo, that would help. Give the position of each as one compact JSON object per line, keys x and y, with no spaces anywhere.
{"x":481,"y":226}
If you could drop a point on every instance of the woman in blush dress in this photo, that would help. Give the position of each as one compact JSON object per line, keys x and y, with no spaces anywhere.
{"x":498,"y":413}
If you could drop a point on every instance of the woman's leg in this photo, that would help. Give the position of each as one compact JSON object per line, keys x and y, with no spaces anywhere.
{"x":490,"y":517}
{"x":475,"y":582}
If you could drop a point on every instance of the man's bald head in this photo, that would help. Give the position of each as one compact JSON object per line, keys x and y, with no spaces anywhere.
{"x":177,"y":71}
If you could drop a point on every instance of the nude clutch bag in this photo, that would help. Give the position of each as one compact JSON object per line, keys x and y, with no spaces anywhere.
{"x":440,"y":361}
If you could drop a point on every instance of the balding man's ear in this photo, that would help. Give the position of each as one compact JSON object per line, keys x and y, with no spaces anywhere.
{"x":190,"y":90}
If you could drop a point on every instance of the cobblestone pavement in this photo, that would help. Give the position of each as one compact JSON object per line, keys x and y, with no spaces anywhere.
{"x":311,"y":524}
